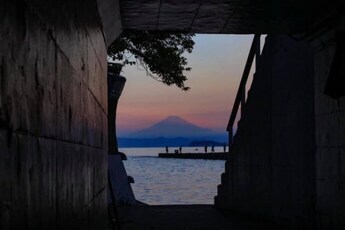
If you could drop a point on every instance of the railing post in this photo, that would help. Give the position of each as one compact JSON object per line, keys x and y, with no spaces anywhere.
{"x":243,"y":98}
{"x":230,"y":138}
{"x":257,"y":53}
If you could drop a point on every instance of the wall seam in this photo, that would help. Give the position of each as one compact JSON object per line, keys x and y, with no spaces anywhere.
{"x":27,"y":133}
{"x":49,"y":32}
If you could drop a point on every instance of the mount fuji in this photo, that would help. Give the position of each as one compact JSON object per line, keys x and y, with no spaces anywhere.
{"x":172,"y":127}
{"x":171,"y":131}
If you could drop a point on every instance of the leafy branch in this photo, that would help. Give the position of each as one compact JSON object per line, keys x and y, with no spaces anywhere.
{"x":159,"y":53}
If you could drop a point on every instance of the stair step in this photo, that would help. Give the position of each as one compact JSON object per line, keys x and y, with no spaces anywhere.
{"x":224,"y":178}
{"x":222,"y":191}
{"x":227,"y":165}
{"x":220,"y":202}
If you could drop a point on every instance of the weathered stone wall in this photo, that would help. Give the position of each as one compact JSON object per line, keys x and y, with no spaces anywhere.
{"x":271,"y":170}
{"x":53,"y":121}
{"x":330,"y":141}
{"x":293,"y":140}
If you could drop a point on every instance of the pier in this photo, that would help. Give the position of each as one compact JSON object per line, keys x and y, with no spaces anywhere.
{"x":205,"y":156}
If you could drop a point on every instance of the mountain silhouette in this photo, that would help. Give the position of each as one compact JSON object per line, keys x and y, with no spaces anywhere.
{"x":173,"y":126}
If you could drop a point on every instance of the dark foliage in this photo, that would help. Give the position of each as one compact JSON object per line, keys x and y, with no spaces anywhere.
{"x":159,"y":53}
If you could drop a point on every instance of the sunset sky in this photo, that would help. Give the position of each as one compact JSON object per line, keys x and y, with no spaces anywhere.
{"x":217,"y":64}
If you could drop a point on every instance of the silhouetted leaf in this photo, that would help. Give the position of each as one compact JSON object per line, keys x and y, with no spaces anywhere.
{"x":159,"y":53}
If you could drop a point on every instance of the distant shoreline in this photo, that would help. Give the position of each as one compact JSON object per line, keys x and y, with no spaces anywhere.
{"x":170,"y":142}
{"x":204,"y":156}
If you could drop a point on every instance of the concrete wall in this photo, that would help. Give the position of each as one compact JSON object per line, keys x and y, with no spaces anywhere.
{"x":271,"y":170}
{"x":53,"y":121}
{"x":330,"y":140}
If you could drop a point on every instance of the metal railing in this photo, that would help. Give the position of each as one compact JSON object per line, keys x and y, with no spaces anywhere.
{"x":241,"y":93}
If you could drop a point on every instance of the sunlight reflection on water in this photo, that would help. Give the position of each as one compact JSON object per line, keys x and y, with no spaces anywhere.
{"x":172,"y":181}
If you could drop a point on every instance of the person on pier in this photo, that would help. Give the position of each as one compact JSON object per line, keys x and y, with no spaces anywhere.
{"x":166,"y":149}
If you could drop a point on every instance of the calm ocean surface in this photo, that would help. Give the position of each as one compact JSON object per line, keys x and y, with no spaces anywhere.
{"x":172,"y":181}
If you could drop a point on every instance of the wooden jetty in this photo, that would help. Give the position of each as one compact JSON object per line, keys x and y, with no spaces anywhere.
{"x":206,"y":156}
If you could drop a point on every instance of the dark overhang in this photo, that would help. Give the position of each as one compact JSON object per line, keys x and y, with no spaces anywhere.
{"x":226,"y":16}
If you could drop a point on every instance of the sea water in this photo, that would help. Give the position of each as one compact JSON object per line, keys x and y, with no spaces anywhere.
{"x":172,"y":181}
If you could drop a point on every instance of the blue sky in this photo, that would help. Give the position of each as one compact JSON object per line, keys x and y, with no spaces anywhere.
{"x":217,"y":64}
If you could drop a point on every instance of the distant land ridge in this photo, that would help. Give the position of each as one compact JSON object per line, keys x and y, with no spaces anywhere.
{"x":171,"y":142}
